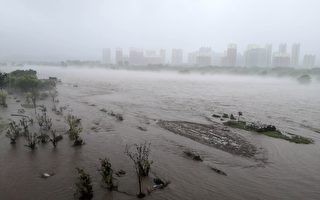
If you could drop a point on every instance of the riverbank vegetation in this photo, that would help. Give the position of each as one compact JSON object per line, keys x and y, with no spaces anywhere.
{"x":84,"y":189}
{"x":39,"y":128}
{"x":268,"y":130}
{"x":139,"y":154}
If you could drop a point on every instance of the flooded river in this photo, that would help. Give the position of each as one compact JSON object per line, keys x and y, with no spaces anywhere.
{"x":285,"y":171}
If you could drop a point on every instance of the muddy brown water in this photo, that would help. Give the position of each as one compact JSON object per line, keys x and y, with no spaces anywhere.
{"x":288,"y":170}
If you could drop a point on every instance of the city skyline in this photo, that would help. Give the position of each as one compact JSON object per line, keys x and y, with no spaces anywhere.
{"x":46,"y":31}
{"x":254,"y":55}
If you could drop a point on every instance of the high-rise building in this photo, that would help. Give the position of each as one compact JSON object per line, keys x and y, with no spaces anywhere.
{"x":281,"y":60}
{"x":230,"y":58}
{"x":152,"y":58}
{"x":162,"y":53}
{"x":119,"y":56}
{"x":283,"y":48}
{"x":255,"y":56}
{"x":268,"y":55}
{"x":192,"y":57}
{"x":106,"y":56}
{"x":309,"y":60}
{"x":136,"y":56}
{"x":177,"y":57}
{"x":232,"y":54}
{"x":204,"y":56}
{"x":295,"y":54}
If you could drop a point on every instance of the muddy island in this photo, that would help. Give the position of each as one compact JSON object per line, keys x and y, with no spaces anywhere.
{"x":215,"y":135}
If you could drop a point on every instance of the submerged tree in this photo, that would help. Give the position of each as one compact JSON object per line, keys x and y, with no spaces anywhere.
{"x":3,"y":98}
{"x":44,"y":121}
{"x":34,"y":97}
{"x":13,"y":132}
{"x":106,"y":172}
{"x":75,"y":129}
{"x":140,"y":157}
{"x":28,"y":96}
{"x":239,"y":115}
{"x":45,"y":124}
{"x":32,"y":140}
{"x":25,"y":125}
{"x":3,"y":80}
{"x":54,"y":138}
{"x":53,"y":94}
{"x":84,"y":186}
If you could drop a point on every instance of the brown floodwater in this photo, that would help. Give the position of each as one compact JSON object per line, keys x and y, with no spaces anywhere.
{"x":287,"y":170}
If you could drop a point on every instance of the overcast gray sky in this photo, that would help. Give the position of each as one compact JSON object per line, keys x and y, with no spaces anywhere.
{"x":79,"y":29}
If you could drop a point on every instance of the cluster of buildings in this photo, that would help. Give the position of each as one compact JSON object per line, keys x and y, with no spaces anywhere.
{"x":253,"y":56}
{"x":135,"y":57}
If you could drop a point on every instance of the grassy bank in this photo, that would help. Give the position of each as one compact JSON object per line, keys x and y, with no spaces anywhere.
{"x":268,"y":130}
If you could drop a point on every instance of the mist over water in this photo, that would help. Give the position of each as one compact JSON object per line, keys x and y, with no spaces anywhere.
{"x":227,"y":93}
{"x":286,"y":170}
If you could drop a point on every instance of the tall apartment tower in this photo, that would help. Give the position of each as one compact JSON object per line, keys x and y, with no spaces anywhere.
{"x":119,"y":56}
{"x":268,"y":55}
{"x":295,"y":55}
{"x":162,"y":54}
{"x":106,"y":56}
{"x":231,"y":57}
{"x":177,"y":57}
{"x":283,"y":48}
{"x":309,"y":60}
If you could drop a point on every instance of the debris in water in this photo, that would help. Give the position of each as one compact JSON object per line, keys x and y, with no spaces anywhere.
{"x":120,"y":173}
{"x":218,"y":171}
{"x":193,"y":155}
{"x":142,"y":128}
{"x":160,"y":184}
{"x":46,"y":175}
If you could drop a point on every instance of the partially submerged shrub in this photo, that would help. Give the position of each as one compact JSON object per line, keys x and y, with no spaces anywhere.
{"x":3,"y":80}
{"x":32,"y":140}
{"x":54,"y":138}
{"x":106,"y":172}
{"x":25,"y":125}
{"x":140,"y":157}
{"x":84,"y":189}
{"x":75,"y":129}
{"x":43,"y":137}
{"x":28,"y":96}
{"x":239,"y":115}
{"x":259,"y":127}
{"x":193,"y":155}
{"x":3,"y":98}
{"x":13,"y":132}
{"x":53,"y":94}
{"x":45,"y":123}
{"x":34,"y":97}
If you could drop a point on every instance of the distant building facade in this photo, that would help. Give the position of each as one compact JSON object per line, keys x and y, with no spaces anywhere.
{"x":281,"y":60}
{"x":255,"y":56}
{"x":295,"y":55}
{"x":192,"y":57}
{"x":204,"y":57}
{"x":106,"y":56}
{"x":136,"y":57}
{"x":177,"y":57}
{"x":268,"y":55}
{"x":119,"y":56}
{"x":283,"y":48}
{"x":309,"y":60}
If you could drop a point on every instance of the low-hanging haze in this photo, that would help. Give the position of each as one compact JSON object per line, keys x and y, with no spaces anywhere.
{"x":53,"y":30}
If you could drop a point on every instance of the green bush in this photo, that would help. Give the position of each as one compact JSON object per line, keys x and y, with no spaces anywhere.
{"x":3,"y":98}
{"x":84,"y":186}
